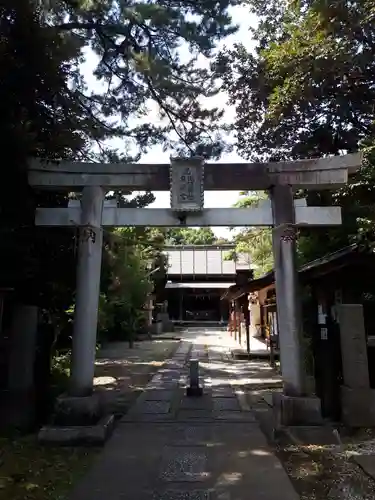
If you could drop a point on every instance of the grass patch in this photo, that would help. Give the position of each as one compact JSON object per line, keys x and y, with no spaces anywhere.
{"x":29,"y":471}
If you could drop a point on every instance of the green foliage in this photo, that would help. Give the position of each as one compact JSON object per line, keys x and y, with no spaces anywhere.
{"x":308,"y":91}
{"x":127,"y":280}
{"x":254,"y":241}
{"x":105,"y":317}
{"x":60,"y":372}
{"x":190,"y":236}
{"x":222,"y":241}
{"x":39,"y":116}
{"x":308,"y":87}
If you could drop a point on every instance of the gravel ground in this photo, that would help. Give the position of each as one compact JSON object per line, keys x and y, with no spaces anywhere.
{"x":320,"y":472}
{"x":121,"y":373}
{"x":325,"y":472}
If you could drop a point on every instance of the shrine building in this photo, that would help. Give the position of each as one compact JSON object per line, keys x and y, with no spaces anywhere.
{"x":198,"y":275}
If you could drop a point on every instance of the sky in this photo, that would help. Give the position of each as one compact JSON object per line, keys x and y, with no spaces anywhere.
{"x":213,"y":199}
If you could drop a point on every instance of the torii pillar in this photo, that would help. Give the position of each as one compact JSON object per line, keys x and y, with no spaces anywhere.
{"x":287,"y":296}
{"x":87,"y":292}
{"x":294,"y":406}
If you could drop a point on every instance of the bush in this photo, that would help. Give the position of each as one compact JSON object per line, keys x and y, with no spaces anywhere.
{"x":125,"y":287}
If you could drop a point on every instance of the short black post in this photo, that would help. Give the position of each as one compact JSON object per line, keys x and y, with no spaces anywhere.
{"x":194,"y":389}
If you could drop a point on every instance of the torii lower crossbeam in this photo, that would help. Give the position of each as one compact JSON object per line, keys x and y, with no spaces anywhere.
{"x":209,"y":217}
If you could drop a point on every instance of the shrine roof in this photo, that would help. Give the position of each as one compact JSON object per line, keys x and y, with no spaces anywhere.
{"x":203,"y":260}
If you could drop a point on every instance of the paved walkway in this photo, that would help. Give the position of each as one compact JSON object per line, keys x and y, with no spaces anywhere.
{"x":170,"y":447}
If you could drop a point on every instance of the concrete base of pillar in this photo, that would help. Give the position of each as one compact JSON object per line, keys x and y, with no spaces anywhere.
{"x":76,"y":410}
{"x":290,"y":411}
{"x":93,"y":435}
{"x":78,"y":421}
{"x":358,"y":407}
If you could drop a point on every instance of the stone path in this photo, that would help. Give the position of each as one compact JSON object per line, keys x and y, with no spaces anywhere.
{"x":170,"y":447}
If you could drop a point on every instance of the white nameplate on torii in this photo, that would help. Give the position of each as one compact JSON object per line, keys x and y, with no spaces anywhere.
{"x":209,"y":217}
{"x":187,"y":185}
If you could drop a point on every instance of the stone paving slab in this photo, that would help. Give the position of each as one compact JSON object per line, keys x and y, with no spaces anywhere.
{"x":194,"y":415}
{"x":170,"y":371}
{"x":234,"y":416}
{"x":188,"y":434}
{"x":162,"y":385}
{"x":183,"y":350}
{"x":245,"y":468}
{"x":182,"y":464}
{"x":367,"y":463}
{"x":198,"y":403}
{"x":223,"y":392}
{"x":174,"y":494}
{"x":153,"y":407}
{"x":226,"y":404}
{"x":182,"y":358}
{"x":158,"y":394}
{"x":177,"y":360}
{"x":147,"y":417}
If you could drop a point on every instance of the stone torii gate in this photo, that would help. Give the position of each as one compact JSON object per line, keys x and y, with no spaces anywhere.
{"x":187,"y":179}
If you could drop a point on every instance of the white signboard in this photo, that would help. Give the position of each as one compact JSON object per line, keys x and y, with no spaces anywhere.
{"x":187,"y":184}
